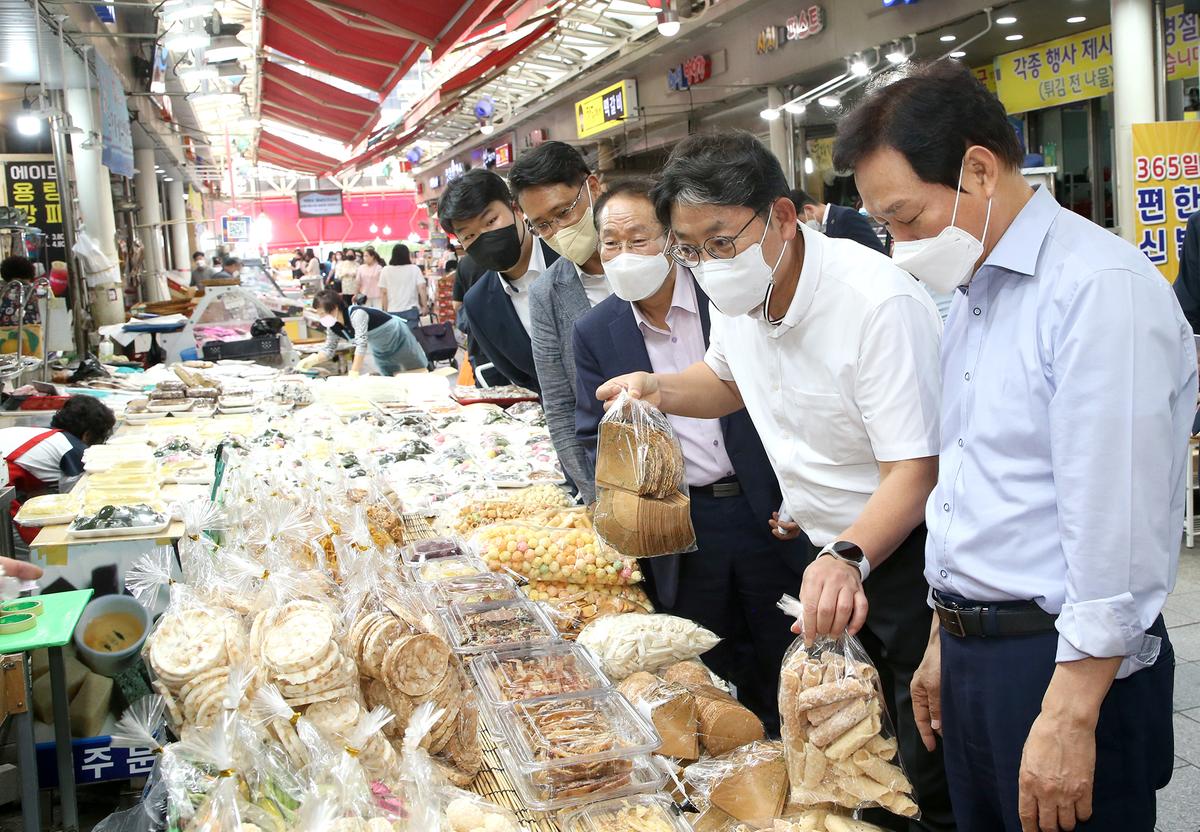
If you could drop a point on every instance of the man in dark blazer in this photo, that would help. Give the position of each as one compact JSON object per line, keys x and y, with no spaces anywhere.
{"x":836,"y":220}
{"x":732,"y":583}
{"x":479,"y":210}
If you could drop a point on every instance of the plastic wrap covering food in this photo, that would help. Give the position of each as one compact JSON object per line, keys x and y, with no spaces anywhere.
{"x":640,"y":813}
{"x":107,"y":519}
{"x":627,"y":643}
{"x":840,"y":745}
{"x":672,"y":710}
{"x":748,"y":784}
{"x":474,"y":589}
{"x":442,"y":569}
{"x":436,"y":548}
{"x":573,"y":606}
{"x":48,"y":509}
{"x":475,"y":628}
{"x":576,"y":748}
{"x":573,"y":556}
{"x":723,"y":723}
{"x":642,"y":505}
{"x":496,"y":507}
{"x":535,"y":672}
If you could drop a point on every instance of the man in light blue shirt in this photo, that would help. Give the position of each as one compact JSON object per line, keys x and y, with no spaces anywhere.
{"x":1069,"y":385}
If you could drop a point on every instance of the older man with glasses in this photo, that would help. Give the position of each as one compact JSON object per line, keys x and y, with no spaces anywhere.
{"x":833,"y":351}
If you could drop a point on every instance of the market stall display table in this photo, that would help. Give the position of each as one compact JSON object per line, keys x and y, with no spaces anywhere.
{"x":56,"y":624}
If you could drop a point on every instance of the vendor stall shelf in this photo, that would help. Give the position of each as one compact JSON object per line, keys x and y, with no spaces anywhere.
{"x":222,"y":307}
{"x":53,"y":630}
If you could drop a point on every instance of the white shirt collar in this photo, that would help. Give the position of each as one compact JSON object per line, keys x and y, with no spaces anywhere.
{"x":806,"y":288}
{"x":537,"y":265}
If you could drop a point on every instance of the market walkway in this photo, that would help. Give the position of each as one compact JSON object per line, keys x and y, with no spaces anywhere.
{"x":1179,"y":802}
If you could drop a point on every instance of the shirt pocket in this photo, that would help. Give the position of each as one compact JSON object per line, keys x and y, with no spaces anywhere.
{"x":830,"y":435}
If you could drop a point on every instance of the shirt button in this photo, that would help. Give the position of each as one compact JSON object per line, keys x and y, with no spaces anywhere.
{"x":945,"y":506}
{"x":978,"y":311}
{"x":960,"y":443}
{"x":674,"y":340}
{"x":944,"y":574}
{"x":967,"y":376}
{"x":716,"y":442}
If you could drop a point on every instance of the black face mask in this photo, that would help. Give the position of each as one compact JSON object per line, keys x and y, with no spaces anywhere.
{"x":498,"y":250}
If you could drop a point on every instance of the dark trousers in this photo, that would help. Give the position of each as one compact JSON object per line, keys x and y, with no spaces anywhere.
{"x":895,"y":638}
{"x":992,"y":692}
{"x":731,"y":586}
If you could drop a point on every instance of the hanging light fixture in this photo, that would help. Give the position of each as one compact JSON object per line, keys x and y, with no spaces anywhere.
{"x":795,"y":108}
{"x":29,"y":122}
{"x":895,"y":54}
{"x":187,"y":35}
{"x":387,"y":231}
{"x":858,"y":66}
{"x":172,"y":11}
{"x":830,"y":102}
{"x":668,"y":19}
{"x":770,"y":114}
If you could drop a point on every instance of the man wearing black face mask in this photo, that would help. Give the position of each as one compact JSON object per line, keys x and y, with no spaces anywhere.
{"x":478,"y":209}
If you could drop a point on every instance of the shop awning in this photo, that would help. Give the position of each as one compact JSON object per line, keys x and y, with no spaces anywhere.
{"x":477,"y":74}
{"x":366,"y":42}
{"x":378,"y":151}
{"x":279,"y":151}
{"x":314,"y":105}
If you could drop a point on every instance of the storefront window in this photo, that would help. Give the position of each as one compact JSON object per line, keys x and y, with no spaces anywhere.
{"x":1077,"y":139}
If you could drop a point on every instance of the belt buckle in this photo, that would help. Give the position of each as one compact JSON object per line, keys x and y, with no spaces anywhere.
{"x":726,"y":489}
{"x":950,"y":616}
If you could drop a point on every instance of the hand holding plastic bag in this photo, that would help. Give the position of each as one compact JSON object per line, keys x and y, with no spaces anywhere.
{"x":838,"y":740}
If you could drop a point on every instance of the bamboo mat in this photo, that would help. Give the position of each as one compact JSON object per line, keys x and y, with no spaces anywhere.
{"x":492,"y":782}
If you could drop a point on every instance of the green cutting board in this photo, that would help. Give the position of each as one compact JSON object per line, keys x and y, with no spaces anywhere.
{"x":60,"y":614}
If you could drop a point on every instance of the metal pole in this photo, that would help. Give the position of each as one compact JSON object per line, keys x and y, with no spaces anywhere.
{"x":62,"y":740}
{"x":66,"y":196}
{"x":1160,"y":60}
{"x":31,"y":815}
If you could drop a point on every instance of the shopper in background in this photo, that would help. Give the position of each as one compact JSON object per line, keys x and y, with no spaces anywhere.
{"x":312,"y":266}
{"x":402,"y":286}
{"x":331,"y":278}
{"x":556,"y":191}
{"x":658,"y":320}
{"x":200,"y":268}
{"x":231,"y":267}
{"x":1069,"y":385}
{"x":347,"y":274}
{"x":836,"y":220}
{"x":1187,"y":283}
{"x":479,"y":210}
{"x":833,"y":350}
{"x":391,"y":343}
{"x":368,"y":277}
{"x":50,"y":461}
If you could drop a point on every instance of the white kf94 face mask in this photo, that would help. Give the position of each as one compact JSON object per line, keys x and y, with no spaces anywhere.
{"x":739,"y":285}
{"x":636,"y":277}
{"x":947,"y":261}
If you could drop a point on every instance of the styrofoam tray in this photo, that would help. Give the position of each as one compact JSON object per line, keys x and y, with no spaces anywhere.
{"x":54,"y":520}
{"x":129,"y":530}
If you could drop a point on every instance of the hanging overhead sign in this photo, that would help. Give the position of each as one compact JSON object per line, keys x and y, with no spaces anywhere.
{"x":326,"y":202}
{"x":606,"y":109}
{"x":117,"y":151}
{"x":1059,"y":71}
{"x":235,"y":229}
{"x":1181,"y":33}
{"x":695,"y":70}
{"x":1166,"y":161}
{"x":800,"y":26}
{"x":31,"y":186}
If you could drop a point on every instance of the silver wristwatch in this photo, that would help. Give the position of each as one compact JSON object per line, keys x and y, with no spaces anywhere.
{"x":849,"y":552}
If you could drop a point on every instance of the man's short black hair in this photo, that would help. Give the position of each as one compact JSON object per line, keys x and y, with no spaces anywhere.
{"x":633,"y":186}
{"x":469,"y":195}
{"x":930,"y":114}
{"x":230,"y":260}
{"x":726,"y":168}
{"x":17,"y":267}
{"x":86,"y":418}
{"x":196,"y":254}
{"x":450,"y":266}
{"x":550,"y":163}
{"x":802,"y":197}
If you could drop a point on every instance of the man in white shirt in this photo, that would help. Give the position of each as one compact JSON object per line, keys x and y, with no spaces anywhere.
{"x":833,"y":351}
{"x":479,"y":210}
{"x":1069,"y":388}
{"x":557,"y":192}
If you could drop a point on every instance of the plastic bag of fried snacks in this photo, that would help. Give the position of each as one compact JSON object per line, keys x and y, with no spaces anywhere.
{"x":838,"y":740}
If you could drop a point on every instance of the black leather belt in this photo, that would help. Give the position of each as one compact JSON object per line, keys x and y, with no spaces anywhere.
{"x":961,"y":618}
{"x":728,"y":487}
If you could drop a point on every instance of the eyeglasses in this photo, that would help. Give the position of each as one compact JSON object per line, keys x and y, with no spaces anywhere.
{"x":640,"y":245}
{"x":547,"y":227}
{"x":720,"y":247}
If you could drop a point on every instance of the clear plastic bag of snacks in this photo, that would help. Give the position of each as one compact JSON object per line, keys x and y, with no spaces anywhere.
{"x":627,"y":643}
{"x":837,"y":736}
{"x":575,"y":556}
{"x":642,"y":505}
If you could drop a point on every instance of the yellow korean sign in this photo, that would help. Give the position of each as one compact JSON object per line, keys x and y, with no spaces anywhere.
{"x":986,"y":75}
{"x":1166,"y":189}
{"x":612,"y":106}
{"x":1060,"y":71}
{"x":1182,"y":35}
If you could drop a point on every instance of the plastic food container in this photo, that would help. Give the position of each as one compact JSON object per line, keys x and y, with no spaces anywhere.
{"x":479,"y":628}
{"x":637,"y":775}
{"x":647,"y":811}
{"x":475,"y":589}
{"x":575,"y":730}
{"x":156,"y":523}
{"x":444,"y":568}
{"x":536,"y":672}
{"x":48,"y":510}
{"x":435,"y":549}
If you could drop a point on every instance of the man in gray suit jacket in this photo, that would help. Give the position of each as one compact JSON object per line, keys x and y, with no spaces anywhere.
{"x":556,"y":190}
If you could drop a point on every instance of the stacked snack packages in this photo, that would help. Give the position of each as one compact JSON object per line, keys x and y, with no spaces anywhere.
{"x":642,"y":505}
